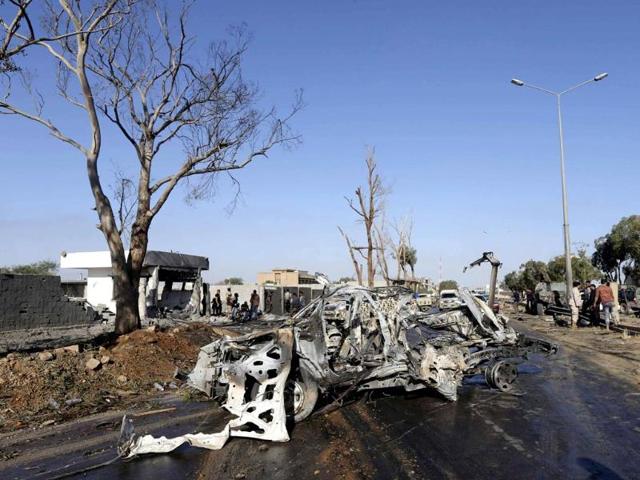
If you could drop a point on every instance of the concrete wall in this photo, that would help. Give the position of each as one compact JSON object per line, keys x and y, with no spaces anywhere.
{"x":100,"y":288}
{"x":35,"y":301}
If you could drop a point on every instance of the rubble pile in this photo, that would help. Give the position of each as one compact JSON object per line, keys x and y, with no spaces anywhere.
{"x":65,"y":383}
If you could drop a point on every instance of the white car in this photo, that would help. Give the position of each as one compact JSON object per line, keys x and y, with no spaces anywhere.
{"x":449,"y":299}
{"x":425,"y":301}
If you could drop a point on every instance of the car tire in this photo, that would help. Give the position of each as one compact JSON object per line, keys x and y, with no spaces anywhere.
{"x":303,"y":395}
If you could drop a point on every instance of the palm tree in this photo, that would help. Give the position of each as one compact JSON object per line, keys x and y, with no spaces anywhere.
{"x":411,"y":258}
{"x":407,"y":256}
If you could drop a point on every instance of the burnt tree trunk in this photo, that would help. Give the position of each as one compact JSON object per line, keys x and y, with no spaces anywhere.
{"x":371,"y":267}
{"x":356,"y":265}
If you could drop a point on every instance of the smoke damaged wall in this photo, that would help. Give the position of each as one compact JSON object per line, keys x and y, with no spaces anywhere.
{"x":37,"y":301}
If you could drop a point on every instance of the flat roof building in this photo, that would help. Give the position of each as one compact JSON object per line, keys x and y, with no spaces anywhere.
{"x":286,"y":276}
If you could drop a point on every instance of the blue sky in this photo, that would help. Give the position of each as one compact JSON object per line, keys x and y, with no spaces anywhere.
{"x":472,"y":158}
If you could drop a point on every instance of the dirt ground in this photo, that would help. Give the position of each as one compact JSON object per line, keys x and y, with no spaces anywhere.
{"x":614,"y":351}
{"x":48,"y":387}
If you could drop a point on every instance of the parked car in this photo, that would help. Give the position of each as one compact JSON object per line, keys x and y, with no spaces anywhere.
{"x":449,"y":299}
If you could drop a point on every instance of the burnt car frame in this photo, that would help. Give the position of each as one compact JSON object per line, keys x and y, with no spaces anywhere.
{"x":357,"y":338}
{"x":350,"y":338}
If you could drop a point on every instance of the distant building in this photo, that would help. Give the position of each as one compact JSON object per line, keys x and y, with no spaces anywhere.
{"x":286,"y":276}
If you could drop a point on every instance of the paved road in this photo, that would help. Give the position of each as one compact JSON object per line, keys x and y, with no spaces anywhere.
{"x":574,"y":420}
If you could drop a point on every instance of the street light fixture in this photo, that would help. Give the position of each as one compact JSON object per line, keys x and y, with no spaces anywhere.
{"x":565,"y":211}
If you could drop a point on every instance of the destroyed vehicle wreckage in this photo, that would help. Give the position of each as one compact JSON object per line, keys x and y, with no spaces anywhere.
{"x":375,"y":338}
{"x":350,"y":338}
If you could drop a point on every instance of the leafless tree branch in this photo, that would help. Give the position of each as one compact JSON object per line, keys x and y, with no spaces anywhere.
{"x":369,"y":205}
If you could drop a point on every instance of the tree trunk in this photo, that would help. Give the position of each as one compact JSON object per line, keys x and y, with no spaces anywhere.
{"x":125,"y":282}
{"x":371,"y":269}
{"x":382,"y":256}
{"x":126,"y":295}
{"x":127,"y":288}
{"x":356,"y":265}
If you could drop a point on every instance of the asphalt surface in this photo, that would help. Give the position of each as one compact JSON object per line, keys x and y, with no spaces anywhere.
{"x":573,"y":419}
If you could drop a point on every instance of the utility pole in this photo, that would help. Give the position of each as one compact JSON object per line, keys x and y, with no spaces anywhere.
{"x":565,"y":208}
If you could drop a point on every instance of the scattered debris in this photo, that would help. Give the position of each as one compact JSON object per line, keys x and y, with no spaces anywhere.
{"x":72,"y":401}
{"x":75,"y":349}
{"x":92,"y":364}
{"x":158,"y":387}
{"x":105,"y":359}
{"x":26,"y":385}
{"x":45,"y":356}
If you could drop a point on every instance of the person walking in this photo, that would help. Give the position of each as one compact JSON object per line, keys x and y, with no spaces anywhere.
{"x":295,"y":302}
{"x":543,"y":297}
{"x":604,"y":297}
{"x":287,"y":300}
{"x":575,"y":302}
{"x":594,"y":314}
{"x":228,"y":302}
{"x":254,"y":301}
{"x":268,"y":307}
{"x":235,"y":306}
{"x":217,"y":304}
{"x":586,"y":300}
{"x":531,"y":301}
{"x":303,"y":301}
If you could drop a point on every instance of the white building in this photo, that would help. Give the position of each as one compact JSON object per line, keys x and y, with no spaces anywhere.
{"x":168,"y":278}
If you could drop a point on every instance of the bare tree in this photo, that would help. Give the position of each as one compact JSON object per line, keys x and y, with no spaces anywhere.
{"x":136,"y":68}
{"x":368,"y":205}
{"x":352,"y":253}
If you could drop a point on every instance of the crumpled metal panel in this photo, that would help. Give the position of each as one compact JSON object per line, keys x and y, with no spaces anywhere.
{"x":256,"y":395}
{"x":443,"y":369}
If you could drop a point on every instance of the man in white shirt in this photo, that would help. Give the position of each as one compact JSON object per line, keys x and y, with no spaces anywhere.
{"x":575,"y":302}
{"x":287,"y":300}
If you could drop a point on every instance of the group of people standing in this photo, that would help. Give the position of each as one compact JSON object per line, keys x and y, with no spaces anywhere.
{"x":587,"y":298}
{"x":293,"y":302}
{"x":232,"y":307}
{"x":584,"y":299}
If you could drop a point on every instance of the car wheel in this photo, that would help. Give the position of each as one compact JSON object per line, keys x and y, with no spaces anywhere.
{"x":501,"y":375}
{"x":301,"y":397}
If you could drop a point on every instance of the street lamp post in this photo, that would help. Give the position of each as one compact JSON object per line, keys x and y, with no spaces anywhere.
{"x":565,"y":210}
